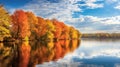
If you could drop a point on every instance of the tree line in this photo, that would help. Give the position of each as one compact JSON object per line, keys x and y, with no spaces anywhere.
{"x":28,"y":30}
{"x":26,"y":25}
{"x":101,"y":35}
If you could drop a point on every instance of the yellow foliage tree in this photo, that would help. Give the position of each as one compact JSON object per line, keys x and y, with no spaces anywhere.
{"x":4,"y":23}
{"x":50,"y":28}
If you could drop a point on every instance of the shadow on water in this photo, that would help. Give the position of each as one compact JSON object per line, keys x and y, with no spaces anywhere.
{"x":29,"y":54}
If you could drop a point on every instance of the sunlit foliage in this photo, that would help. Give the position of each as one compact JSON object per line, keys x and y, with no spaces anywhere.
{"x":44,"y":29}
{"x":20,"y":26}
{"x":74,"y":34}
{"x":58,"y":28}
{"x":33,"y":22}
{"x":4,"y":23}
{"x":23,"y":27}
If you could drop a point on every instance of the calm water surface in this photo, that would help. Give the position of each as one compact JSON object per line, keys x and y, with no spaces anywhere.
{"x":90,"y":53}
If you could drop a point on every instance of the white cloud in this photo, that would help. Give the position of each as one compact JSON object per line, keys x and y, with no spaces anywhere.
{"x":91,"y":4}
{"x":106,"y":20}
{"x":87,"y":29}
{"x":111,"y":20}
{"x":118,"y":6}
{"x":64,"y":9}
{"x":91,"y":18}
{"x":111,"y":1}
{"x":95,"y":24}
{"x":12,"y":11}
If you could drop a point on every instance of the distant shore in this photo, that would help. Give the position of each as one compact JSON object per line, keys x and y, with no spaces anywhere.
{"x":101,"y":35}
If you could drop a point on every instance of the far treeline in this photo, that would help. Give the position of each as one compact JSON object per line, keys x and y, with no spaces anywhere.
{"x":27,"y":26}
{"x":101,"y":35}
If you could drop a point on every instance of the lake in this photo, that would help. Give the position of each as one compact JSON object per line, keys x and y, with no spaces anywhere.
{"x":90,"y":53}
{"x":31,"y":53}
{"x":63,"y":53}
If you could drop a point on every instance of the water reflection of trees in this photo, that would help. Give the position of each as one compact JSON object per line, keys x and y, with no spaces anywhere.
{"x":51,"y":51}
{"x":7,"y":54}
{"x":29,"y":54}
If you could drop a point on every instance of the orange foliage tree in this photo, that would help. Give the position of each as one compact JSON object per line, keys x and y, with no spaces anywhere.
{"x":24,"y":23}
{"x":44,"y":29}
{"x":20,"y":26}
{"x":65,"y":31}
{"x":41,"y":27}
{"x":58,"y":28}
{"x":33,"y":23}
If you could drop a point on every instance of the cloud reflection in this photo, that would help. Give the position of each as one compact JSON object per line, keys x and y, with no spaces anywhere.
{"x":92,"y":53}
{"x":91,"y":49}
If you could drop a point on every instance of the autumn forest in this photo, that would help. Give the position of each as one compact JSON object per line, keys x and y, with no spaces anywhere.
{"x":27,"y":26}
{"x":27,"y":40}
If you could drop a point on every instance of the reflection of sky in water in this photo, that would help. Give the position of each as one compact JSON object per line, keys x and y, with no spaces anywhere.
{"x":91,"y":53}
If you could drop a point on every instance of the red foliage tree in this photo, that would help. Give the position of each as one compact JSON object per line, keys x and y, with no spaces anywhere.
{"x":61,"y":30}
{"x":20,"y":25}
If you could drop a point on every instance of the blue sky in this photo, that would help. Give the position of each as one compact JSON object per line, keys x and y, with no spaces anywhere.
{"x":88,"y":16}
